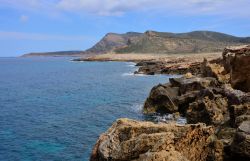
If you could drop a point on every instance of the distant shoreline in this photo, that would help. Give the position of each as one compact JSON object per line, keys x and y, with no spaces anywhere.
{"x":135,"y":57}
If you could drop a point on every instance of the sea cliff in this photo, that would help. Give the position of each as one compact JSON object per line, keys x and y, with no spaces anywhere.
{"x":213,"y":95}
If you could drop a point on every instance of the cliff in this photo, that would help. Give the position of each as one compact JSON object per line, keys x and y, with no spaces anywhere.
{"x":216,"y":103}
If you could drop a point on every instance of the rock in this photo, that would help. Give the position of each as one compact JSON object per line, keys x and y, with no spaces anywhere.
{"x":241,"y":118}
{"x":149,"y":67}
{"x":226,"y":135}
{"x":192,"y":84}
{"x":215,"y":70}
{"x":145,"y":141}
{"x":176,"y":66}
{"x":188,"y":75}
{"x":245,"y":127}
{"x":239,"y":113}
{"x":210,"y":111}
{"x":176,"y":95}
{"x":181,"y":68}
{"x":241,"y":144}
{"x":236,"y":62}
{"x":162,"y":99}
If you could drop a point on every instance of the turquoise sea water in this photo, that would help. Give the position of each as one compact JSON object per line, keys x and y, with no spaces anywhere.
{"x":55,"y":109}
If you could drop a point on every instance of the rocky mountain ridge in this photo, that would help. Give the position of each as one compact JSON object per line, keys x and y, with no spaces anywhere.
{"x":159,"y":43}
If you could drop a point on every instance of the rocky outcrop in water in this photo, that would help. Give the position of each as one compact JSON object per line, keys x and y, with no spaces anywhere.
{"x":179,"y":66}
{"x":217,"y":97}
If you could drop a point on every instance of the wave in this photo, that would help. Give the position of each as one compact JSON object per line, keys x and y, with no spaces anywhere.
{"x":137,"y":108}
{"x":130,"y":64}
{"x":167,"y":118}
{"x":128,"y":74}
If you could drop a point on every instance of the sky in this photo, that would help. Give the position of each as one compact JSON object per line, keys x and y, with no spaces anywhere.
{"x":60,"y":25}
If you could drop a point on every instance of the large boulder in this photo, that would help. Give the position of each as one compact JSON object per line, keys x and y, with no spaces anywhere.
{"x":145,"y":141}
{"x":192,"y":84}
{"x":236,"y":62}
{"x":176,"y":95}
{"x":162,"y":99}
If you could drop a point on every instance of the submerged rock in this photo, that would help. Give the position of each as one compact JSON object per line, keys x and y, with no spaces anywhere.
{"x":145,"y":141}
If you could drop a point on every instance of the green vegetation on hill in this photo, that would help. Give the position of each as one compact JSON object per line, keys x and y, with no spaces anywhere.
{"x":192,"y":42}
{"x":158,"y":43}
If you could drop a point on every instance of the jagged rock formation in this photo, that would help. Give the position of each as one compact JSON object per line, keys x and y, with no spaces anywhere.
{"x":192,"y":42}
{"x":215,"y":102}
{"x":209,"y":98}
{"x":237,"y":63}
{"x":112,"y":41}
{"x":147,"y":141}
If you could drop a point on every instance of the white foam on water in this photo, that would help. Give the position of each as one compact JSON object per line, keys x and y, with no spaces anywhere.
{"x":167,"y":118}
{"x":137,"y":108}
{"x":128,"y":74}
{"x":130,"y":64}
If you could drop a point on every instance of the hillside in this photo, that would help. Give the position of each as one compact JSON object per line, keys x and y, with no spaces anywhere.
{"x":57,"y":53}
{"x":192,"y":42}
{"x":157,"y":43}
{"x":108,"y":43}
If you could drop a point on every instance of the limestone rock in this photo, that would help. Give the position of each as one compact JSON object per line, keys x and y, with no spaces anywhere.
{"x":192,"y":84}
{"x":215,"y":70}
{"x":236,"y":62}
{"x":145,"y":141}
{"x":207,"y":110}
{"x":161,"y":99}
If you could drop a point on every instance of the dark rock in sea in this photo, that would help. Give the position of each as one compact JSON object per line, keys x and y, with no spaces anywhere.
{"x":162,"y":99}
{"x":172,"y":97}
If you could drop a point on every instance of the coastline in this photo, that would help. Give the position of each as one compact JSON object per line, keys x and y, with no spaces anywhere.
{"x":137,"y":57}
{"x":214,"y":98}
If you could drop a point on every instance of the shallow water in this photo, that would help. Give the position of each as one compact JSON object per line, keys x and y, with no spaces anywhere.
{"x":55,"y":109}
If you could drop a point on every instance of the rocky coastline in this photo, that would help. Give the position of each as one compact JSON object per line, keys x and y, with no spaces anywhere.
{"x":213,"y":95}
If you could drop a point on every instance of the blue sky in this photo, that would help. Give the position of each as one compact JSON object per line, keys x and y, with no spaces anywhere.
{"x":57,"y":25}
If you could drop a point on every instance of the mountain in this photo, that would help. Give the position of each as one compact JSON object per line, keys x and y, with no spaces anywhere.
{"x":112,"y":41}
{"x":57,"y":53}
{"x":108,"y":43}
{"x":157,"y":42}
{"x":191,"y":42}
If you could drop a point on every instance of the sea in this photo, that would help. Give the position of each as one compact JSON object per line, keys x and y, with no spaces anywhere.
{"x":54,"y":109}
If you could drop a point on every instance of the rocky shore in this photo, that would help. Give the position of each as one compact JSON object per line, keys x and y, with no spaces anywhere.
{"x":213,"y":95}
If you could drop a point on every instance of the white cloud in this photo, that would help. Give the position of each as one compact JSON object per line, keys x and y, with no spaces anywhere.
{"x":119,"y":7}
{"x":24,"y":18}
{"x":11,"y":35}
